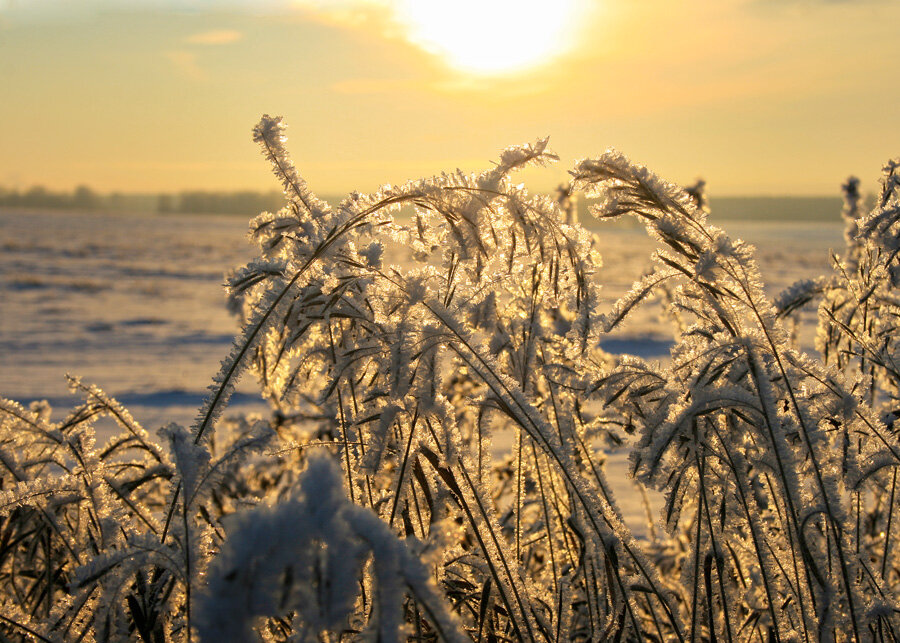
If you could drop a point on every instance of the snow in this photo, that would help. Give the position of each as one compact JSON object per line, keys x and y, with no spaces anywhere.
{"x":131,"y":303}
{"x":135,"y":305}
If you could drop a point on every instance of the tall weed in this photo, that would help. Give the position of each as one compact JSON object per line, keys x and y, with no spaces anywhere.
{"x":374,"y":504}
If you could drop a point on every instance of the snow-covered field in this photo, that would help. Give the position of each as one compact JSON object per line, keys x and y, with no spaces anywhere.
{"x":135,"y":304}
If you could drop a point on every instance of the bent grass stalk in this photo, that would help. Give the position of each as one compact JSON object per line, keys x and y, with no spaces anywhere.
{"x":383,"y":508}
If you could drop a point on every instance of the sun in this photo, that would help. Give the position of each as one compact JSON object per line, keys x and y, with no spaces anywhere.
{"x":492,"y":37}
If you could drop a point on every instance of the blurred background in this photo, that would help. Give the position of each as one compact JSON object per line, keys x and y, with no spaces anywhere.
{"x":774,"y":97}
{"x":121,"y":120}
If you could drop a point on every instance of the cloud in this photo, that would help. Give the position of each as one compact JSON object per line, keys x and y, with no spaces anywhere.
{"x":816,"y":3}
{"x":381,"y":16}
{"x":361,"y":86}
{"x":186,"y":63}
{"x":67,"y":10}
{"x":215,"y":37}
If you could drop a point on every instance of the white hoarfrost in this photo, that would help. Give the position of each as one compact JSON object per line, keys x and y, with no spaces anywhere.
{"x":372,"y":503}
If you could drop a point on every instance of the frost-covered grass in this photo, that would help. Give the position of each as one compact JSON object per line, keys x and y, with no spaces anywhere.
{"x":372,"y":502}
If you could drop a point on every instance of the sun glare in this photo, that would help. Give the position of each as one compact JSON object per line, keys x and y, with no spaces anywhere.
{"x":492,"y":36}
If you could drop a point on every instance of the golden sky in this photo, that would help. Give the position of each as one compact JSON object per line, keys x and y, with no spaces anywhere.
{"x":756,"y":96}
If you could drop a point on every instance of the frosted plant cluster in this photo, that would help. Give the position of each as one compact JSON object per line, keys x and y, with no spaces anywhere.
{"x":373,"y":503}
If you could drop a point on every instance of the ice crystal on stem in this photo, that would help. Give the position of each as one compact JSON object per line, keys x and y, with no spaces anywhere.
{"x":395,"y":349}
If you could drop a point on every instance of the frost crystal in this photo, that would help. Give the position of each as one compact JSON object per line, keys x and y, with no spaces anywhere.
{"x":375,"y":502}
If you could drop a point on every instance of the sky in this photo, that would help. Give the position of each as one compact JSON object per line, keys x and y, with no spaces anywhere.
{"x":755,"y":96}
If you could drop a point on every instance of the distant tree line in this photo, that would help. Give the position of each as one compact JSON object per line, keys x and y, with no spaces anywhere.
{"x":245,"y":202}
{"x":81,"y":198}
{"x":248,"y":203}
{"x":84,"y":198}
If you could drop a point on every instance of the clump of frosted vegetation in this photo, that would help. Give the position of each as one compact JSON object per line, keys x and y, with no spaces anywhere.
{"x":372,"y":504}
